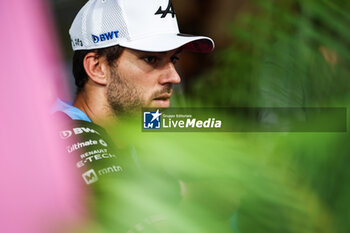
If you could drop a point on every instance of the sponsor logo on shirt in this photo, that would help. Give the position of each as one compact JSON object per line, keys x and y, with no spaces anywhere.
{"x":90,"y":176}
{"x":68,"y":133}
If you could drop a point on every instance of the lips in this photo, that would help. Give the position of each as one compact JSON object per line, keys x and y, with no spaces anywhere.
{"x":162,"y":101}
{"x":163,"y":97}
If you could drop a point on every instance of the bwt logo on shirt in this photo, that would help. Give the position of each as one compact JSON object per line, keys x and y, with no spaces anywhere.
{"x":105,"y":36}
{"x":151,"y":120}
{"x":67,"y":133}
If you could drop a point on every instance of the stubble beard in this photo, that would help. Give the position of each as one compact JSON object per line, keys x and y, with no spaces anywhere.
{"x":125,"y":98}
{"x":122,"y":96}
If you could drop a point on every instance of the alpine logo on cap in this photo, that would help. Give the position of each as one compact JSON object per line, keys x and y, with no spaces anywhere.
{"x":168,"y":10}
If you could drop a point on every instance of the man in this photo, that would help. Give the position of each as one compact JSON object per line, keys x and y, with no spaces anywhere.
{"x":125,"y":52}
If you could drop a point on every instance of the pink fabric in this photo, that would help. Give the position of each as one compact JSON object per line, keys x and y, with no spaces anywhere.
{"x":38,"y":187}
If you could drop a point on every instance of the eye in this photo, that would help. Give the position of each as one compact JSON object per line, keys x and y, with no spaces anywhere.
{"x":174,"y":59}
{"x":150,"y":59}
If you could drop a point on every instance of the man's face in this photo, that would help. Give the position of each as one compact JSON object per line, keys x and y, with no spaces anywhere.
{"x":142,"y":79}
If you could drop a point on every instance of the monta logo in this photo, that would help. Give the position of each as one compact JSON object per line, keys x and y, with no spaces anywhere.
{"x":90,"y":176}
{"x":105,"y":36}
{"x":168,"y":10}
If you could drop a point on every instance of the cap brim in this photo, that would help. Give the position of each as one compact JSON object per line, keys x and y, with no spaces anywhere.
{"x":167,"y":42}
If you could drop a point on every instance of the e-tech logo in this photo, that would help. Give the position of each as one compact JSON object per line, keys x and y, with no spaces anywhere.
{"x":105,"y":36}
{"x":151,"y":120}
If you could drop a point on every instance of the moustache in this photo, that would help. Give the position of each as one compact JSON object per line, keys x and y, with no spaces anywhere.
{"x":168,"y":89}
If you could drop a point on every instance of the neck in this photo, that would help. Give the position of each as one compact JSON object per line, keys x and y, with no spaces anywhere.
{"x":93,"y":102}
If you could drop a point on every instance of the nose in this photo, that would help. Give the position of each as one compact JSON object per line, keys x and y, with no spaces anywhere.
{"x":169,"y":75}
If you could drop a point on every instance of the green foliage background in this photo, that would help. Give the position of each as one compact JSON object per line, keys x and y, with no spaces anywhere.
{"x":277,"y":59}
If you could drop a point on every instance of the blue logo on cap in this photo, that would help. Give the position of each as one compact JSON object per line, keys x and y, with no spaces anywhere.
{"x":151,"y":120}
{"x":105,"y":36}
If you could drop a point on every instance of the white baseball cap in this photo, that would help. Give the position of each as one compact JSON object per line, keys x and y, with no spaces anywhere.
{"x":146,"y":25}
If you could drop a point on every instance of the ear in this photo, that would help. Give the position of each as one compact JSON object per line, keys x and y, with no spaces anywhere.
{"x":96,"y":68}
